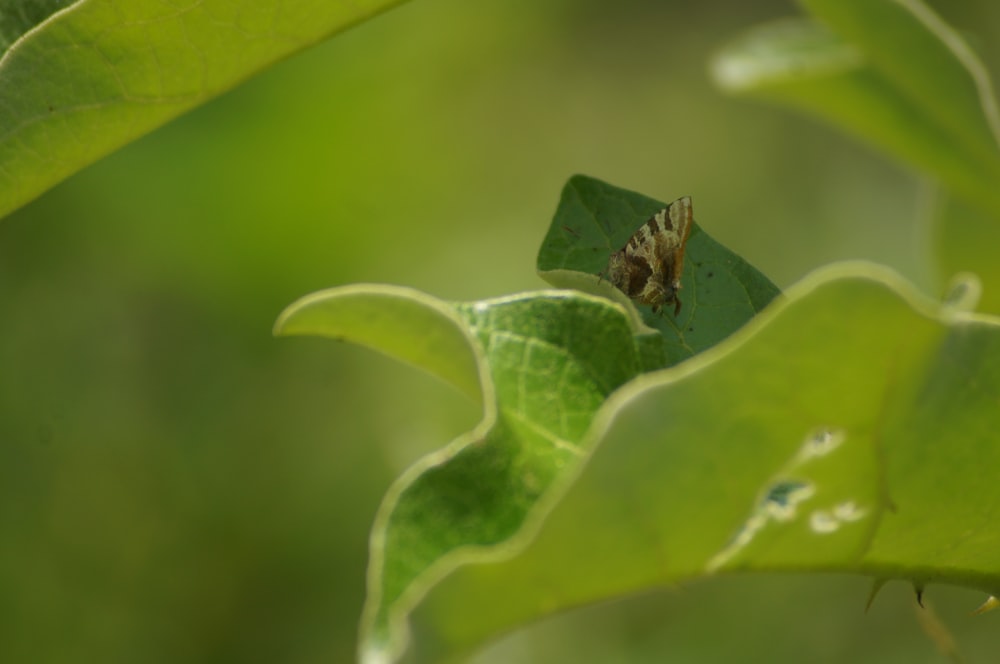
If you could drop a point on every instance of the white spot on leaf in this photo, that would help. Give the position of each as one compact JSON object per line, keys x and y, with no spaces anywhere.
{"x":821,"y":442}
{"x":823,"y":522}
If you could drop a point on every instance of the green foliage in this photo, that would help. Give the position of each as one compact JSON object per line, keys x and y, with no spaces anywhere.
{"x":721,"y":291}
{"x":894,"y":74}
{"x":841,"y":429}
{"x":546,"y":362}
{"x":93,"y":77}
{"x":802,"y":64}
{"x":844,"y":429}
{"x":829,"y":435}
{"x":19,"y":17}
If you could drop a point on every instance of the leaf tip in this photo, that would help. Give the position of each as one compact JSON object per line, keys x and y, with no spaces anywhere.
{"x":963,"y":292}
{"x":877,"y":585}
{"x":918,"y":588}
{"x":990,"y":604}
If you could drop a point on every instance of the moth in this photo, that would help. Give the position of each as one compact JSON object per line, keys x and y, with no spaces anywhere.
{"x":648,"y":268}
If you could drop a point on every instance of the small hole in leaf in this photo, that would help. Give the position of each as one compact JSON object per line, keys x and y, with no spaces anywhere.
{"x":823,"y":440}
{"x":848,"y":511}
{"x":823,"y":522}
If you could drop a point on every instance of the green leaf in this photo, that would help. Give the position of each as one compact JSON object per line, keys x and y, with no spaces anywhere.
{"x":19,"y":17}
{"x":893,"y":73}
{"x":721,"y":291}
{"x":846,"y":429}
{"x":542,"y":363}
{"x":890,"y":72}
{"x":926,"y":59}
{"x":545,"y":362}
{"x":79,"y":83}
{"x":373,"y":315}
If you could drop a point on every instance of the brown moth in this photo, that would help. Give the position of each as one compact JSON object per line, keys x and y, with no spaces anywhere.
{"x":648,"y":268}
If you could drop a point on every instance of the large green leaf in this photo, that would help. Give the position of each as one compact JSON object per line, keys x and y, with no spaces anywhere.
{"x":846,"y":428}
{"x":720,"y":293}
{"x":76,"y":84}
{"x":542,"y":364}
{"x":893,"y":73}
{"x":851,"y":428}
{"x":545,"y":362}
{"x":927,"y":60}
{"x":853,"y":83}
{"x":931,"y":64}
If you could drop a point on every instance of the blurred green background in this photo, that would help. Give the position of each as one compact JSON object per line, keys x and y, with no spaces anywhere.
{"x":178,"y":486}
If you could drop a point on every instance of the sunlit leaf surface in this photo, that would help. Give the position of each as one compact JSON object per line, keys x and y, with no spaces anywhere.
{"x":79,"y":83}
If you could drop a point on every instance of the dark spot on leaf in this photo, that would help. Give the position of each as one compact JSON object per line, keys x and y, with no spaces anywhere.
{"x":781,"y":491}
{"x":711,"y":274}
